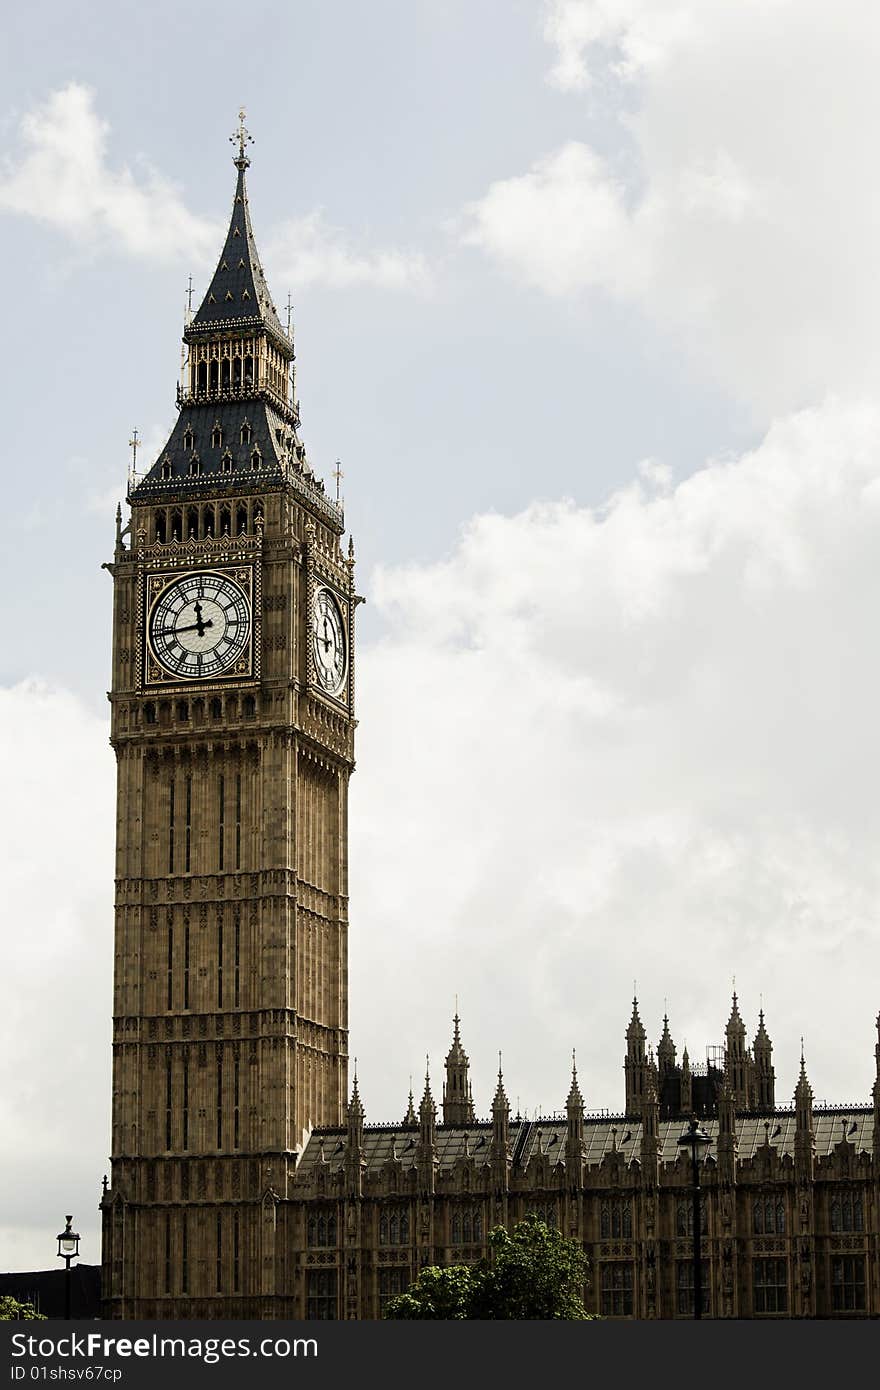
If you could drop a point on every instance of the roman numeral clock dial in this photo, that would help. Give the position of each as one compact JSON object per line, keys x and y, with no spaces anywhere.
{"x":328,"y":643}
{"x":199,"y":627}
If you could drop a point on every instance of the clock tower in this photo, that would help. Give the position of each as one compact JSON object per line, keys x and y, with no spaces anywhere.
{"x":233,"y":725}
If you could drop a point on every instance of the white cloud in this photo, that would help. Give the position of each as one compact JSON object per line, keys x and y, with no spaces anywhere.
{"x":636,"y":741}
{"x":56,"y":832}
{"x":307,"y":251}
{"x":745,"y":221}
{"x":64,"y":177}
{"x":640,"y":741}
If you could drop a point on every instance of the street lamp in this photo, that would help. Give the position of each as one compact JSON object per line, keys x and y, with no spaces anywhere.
{"x":68,"y":1249}
{"x":695,"y":1138}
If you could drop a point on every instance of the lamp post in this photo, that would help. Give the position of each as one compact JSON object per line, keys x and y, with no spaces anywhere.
{"x":695,"y":1138}
{"x":68,"y":1249}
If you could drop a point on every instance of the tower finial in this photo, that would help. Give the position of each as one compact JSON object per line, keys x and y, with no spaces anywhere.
{"x":241,"y":137}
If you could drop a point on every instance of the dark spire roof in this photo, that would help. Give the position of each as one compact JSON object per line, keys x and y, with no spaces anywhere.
{"x":238,"y":294}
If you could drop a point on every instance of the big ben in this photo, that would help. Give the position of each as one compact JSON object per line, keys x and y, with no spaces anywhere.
{"x":233,"y":726}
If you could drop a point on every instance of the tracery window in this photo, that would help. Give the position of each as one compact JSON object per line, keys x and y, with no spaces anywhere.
{"x":466,"y":1226}
{"x":770,"y":1286}
{"x":684,"y":1287}
{"x":394,"y":1225}
{"x":216,"y":437}
{"x":615,"y":1221}
{"x":392,"y":1281}
{"x":617,"y":1290}
{"x":246,"y":433}
{"x":543,"y":1211}
{"x":321,"y":1232}
{"x":848,"y":1283}
{"x":768,"y":1215}
{"x":846,"y":1210}
{"x":321,"y":1301}
{"x":684,"y":1216}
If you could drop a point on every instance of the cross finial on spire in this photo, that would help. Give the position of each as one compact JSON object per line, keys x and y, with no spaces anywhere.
{"x":241,"y":137}
{"x":339,"y":475}
{"x":289,"y":312}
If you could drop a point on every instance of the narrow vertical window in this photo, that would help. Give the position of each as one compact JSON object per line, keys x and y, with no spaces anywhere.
{"x":169,"y":995}
{"x":184,"y":1254}
{"x":219,"y":1252}
{"x":185,"y":1101}
{"x":219,"y":1101}
{"x":236,"y":1241}
{"x":167,"y":1102}
{"x":222,"y":809}
{"x":186,"y":966}
{"x":220,"y":963}
{"x":238,"y":821}
{"x":235,"y":1104}
{"x":187,"y":841}
{"x":236,"y":974}
{"x":167,"y":1252}
{"x":171,"y":827}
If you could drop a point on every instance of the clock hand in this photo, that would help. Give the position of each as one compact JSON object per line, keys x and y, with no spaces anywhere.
{"x":199,"y":624}
{"x":326,"y":638}
{"x":193,"y":627}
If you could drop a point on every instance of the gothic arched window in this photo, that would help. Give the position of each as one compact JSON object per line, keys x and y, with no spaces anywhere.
{"x":768,"y":1215}
{"x":846,"y":1211}
{"x":216,"y":437}
{"x":246,"y":433}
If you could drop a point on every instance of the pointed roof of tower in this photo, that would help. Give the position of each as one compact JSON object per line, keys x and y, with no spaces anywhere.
{"x":499,"y":1100}
{"x":735,"y":1023}
{"x":355,"y":1106}
{"x":803,"y":1091}
{"x":762,"y":1037}
{"x":238,"y":294}
{"x":410,"y":1119}
{"x":574,"y":1095}
{"x":456,"y":1052}
{"x":665,"y":1047}
{"x":635,"y":1028}
{"x":427,"y":1104}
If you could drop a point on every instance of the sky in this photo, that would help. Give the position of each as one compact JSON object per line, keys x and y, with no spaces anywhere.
{"x":585,"y":299}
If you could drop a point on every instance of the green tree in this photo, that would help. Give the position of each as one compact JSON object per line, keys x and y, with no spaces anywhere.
{"x":437,"y":1293}
{"x":11,"y":1309}
{"x":533,"y":1272}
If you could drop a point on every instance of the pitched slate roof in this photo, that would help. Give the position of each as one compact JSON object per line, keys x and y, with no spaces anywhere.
{"x":238,"y":293}
{"x":601,"y":1136}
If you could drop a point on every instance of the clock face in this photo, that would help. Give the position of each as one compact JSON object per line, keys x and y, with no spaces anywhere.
{"x":328,"y":642}
{"x":200,"y":627}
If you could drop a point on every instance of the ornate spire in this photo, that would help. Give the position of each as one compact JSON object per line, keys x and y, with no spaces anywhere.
{"x":238,"y":295}
{"x":574,"y":1095}
{"x":635,"y":1029}
{"x":634,"y":1062}
{"x":458,"y":1105}
{"x":666,"y":1048}
{"x":410,"y":1119}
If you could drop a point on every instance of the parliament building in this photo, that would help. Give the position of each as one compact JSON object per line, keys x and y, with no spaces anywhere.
{"x":245,"y":1181}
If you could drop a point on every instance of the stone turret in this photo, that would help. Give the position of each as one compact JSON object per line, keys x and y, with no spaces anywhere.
{"x":458,"y":1104}
{"x":665,"y":1052}
{"x":574,"y":1138}
{"x":737,"y":1062}
{"x":426,"y":1146}
{"x":687,"y":1087}
{"x":763,"y":1075}
{"x":500,"y":1144}
{"x":804,"y":1138}
{"x":727,"y":1137}
{"x":635,"y":1064}
{"x":355,"y":1160}
{"x":650,"y":1112}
